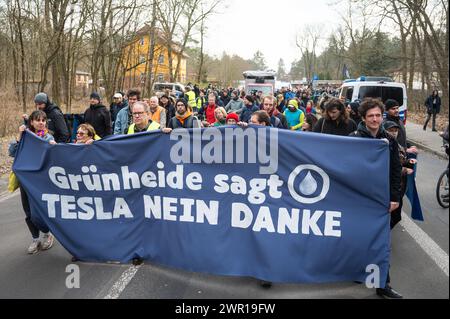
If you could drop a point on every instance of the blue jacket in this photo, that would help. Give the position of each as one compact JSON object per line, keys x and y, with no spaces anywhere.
{"x":122,"y":121}
{"x":247,"y":112}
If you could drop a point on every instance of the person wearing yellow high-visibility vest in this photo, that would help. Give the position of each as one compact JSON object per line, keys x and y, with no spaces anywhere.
{"x":190,"y":98}
{"x":141,"y":120}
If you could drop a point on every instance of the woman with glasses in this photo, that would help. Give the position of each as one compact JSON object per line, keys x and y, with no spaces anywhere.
{"x":86,"y":134}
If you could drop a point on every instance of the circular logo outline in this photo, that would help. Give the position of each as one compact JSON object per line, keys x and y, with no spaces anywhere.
{"x":305,"y":200}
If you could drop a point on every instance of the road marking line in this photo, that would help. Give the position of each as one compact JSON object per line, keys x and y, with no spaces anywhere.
{"x":122,"y":283}
{"x":8,"y":196}
{"x":436,"y":253}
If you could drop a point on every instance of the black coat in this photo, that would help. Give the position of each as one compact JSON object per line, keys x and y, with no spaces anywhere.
{"x":100,"y":118}
{"x":56,"y":123}
{"x":401,"y":139}
{"x":395,"y":166}
{"x":333,"y":128}
{"x":433,"y":107}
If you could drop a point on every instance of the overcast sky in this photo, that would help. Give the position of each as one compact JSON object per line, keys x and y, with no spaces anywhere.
{"x":266,"y":25}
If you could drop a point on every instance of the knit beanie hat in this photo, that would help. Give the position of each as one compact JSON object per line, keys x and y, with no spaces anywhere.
{"x":95,"y":96}
{"x":233,"y":116}
{"x":41,"y":98}
{"x":390,"y":104}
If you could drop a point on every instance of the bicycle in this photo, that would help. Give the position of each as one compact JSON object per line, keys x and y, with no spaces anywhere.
{"x":442,"y":187}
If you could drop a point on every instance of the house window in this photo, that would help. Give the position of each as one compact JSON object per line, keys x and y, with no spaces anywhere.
{"x":142,"y":41}
{"x":160,"y":77}
{"x":161,"y":59}
{"x":141,"y":58}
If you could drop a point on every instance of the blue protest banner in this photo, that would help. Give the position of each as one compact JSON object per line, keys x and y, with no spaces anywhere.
{"x":273,"y":204}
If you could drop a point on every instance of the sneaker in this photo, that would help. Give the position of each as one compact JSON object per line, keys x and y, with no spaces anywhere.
{"x":47,"y":241}
{"x":388,"y":293}
{"x":34,"y":247}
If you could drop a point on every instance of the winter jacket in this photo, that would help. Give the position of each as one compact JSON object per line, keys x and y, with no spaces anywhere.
{"x":115,"y":108}
{"x":175,"y":123}
{"x":401,"y":139}
{"x":208,"y":112}
{"x":56,"y":123}
{"x":395,"y":167}
{"x":235,"y":106}
{"x":170,"y":111}
{"x":294,"y":119}
{"x":100,"y":119}
{"x":335,"y":128}
{"x":123,"y":121}
{"x":431,"y":107}
{"x":247,"y":112}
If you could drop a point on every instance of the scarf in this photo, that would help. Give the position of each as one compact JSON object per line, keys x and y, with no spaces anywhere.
{"x":183,"y":117}
{"x":42,"y":133}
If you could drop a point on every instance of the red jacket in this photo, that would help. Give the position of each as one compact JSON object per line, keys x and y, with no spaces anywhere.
{"x":209,"y":114}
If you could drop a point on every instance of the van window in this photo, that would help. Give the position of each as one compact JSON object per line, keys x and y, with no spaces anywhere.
{"x":394,"y":93}
{"x":381,"y":92}
{"x":349,"y":94}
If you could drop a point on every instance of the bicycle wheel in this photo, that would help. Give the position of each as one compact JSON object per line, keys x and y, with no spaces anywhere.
{"x":442,"y":190}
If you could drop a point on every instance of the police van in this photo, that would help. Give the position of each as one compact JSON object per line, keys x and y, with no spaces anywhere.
{"x":376,"y":87}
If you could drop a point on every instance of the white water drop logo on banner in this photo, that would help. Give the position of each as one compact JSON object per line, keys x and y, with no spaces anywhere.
{"x":309,"y":185}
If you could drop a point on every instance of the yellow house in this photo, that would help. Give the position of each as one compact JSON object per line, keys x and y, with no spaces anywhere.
{"x":136,"y":56}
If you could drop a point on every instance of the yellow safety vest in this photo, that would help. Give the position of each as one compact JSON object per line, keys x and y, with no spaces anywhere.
{"x":152,"y":127}
{"x":191,"y":99}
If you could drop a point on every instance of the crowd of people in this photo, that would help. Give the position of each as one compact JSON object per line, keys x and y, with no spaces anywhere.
{"x":315,"y":111}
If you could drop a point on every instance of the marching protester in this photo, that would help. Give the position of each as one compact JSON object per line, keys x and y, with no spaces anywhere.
{"x":56,"y":123}
{"x":260,"y":118}
{"x":183,"y":118}
{"x":310,"y":121}
{"x":38,"y":126}
{"x":225,"y":98}
{"x":221,"y":116}
{"x":371,"y":111}
{"x":124,"y":118}
{"x":352,"y":109}
{"x":201,"y":102}
{"x":141,"y":119}
{"x":190,"y":97}
{"x":208,"y":111}
{"x":335,"y":120}
{"x":393,"y":129}
{"x":157,"y":113}
{"x":236,"y":104}
{"x":393,"y":115}
{"x":310,"y":109}
{"x":232,"y":119}
{"x":433,"y":105}
{"x":294,"y":116}
{"x":86,"y":134}
{"x":166,"y":103}
{"x":278,"y":120}
{"x":249,"y":109}
{"x":98,"y":116}
{"x":118,"y":104}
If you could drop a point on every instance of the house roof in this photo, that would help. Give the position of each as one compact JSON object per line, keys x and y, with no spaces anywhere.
{"x":144,"y":31}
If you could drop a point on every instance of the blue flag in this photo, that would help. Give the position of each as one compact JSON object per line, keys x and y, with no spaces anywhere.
{"x":272,"y":204}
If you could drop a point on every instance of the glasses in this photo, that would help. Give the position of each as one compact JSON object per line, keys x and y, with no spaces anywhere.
{"x":81,"y":133}
{"x":138,"y":114}
{"x":268,"y":104}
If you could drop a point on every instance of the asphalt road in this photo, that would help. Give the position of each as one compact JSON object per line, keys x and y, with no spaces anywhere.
{"x":419,"y":264}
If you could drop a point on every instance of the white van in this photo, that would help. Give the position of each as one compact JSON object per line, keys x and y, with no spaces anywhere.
{"x":383,"y":88}
{"x":176,"y":88}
